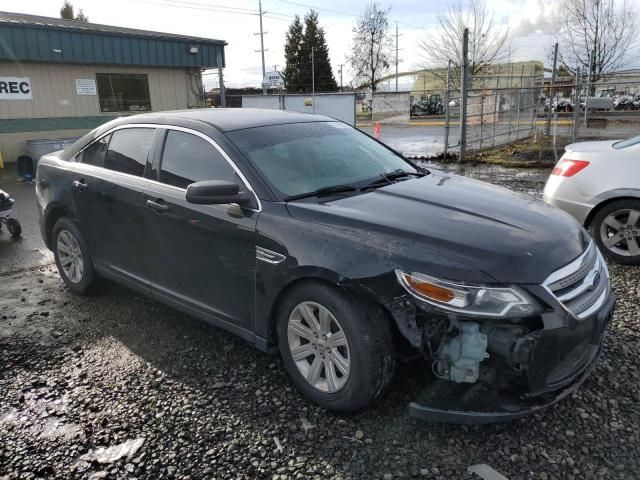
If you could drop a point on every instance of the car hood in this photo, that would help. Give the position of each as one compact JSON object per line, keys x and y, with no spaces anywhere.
{"x":510,"y":237}
{"x":599,"y":146}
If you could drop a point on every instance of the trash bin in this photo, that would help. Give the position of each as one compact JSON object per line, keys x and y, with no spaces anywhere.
{"x":40,"y":147}
{"x":25,"y":167}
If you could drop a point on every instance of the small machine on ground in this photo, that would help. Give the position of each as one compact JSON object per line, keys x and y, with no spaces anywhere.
{"x":6,"y":208}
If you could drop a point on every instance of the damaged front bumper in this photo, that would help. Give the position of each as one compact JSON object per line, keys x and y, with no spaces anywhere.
{"x":484,"y":402}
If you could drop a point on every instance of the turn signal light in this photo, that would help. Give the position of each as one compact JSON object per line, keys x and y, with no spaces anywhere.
{"x":429,"y":290}
{"x":568,"y":168}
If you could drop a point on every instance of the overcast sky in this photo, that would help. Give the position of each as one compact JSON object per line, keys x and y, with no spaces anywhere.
{"x":531,"y":23}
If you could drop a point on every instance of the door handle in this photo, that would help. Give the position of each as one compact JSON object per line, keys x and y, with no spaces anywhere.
{"x":159,"y":205}
{"x":80,"y":184}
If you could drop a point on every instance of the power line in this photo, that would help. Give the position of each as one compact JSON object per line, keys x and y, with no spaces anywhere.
{"x":338,"y":12}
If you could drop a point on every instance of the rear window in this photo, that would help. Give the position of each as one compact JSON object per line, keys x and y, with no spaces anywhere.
{"x":627,"y":143}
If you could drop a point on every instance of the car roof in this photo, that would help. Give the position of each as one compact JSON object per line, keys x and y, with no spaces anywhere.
{"x":228,"y":119}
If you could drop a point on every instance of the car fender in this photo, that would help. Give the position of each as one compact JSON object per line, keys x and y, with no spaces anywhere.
{"x":609,"y":196}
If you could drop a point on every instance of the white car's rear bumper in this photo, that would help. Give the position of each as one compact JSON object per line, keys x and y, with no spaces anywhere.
{"x":561,"y":192}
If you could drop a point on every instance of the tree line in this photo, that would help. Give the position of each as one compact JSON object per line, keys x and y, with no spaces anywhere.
{"x":596,"y":35}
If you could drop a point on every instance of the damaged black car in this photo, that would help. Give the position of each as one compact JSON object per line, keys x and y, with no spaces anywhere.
{"x":305,"y":236}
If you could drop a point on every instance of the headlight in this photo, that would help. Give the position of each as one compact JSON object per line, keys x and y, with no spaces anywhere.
{"x":467,"y":299}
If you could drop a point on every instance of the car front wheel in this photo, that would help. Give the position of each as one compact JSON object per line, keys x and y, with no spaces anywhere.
{"x":337,"y":349}
{"x":72,"y":256}
{"x":616,"y":229}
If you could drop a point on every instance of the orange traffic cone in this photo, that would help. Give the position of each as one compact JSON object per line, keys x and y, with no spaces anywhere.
{"x":376,"y":130}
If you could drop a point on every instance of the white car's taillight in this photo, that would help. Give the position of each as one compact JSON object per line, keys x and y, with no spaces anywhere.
{"x":568,"y":168}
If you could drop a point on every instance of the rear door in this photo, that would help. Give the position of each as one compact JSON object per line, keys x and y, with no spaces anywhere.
{"x":111,"y":207}
{"x":201,"y":256}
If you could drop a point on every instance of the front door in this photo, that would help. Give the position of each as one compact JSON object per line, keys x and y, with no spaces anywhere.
{"x":202,"y":256}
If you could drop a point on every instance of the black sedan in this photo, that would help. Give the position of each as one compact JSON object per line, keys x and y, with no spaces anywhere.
{"x":304,"y":235}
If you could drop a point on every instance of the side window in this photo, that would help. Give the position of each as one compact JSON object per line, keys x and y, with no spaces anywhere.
{"x":129,"y":149}
{"x":187,"y":158}
{"x":94,"y":154}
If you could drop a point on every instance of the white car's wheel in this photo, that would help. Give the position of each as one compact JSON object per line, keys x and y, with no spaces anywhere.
{"x":616,"y":229}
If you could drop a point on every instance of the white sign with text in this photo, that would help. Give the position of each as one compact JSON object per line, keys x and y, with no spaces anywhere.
{"x":85,"y":86}
{"x":15,"y":88}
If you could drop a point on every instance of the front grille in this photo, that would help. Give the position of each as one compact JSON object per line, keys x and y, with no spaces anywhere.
{"x":582,"y":285}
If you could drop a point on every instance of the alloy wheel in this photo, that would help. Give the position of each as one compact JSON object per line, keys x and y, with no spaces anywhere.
{"x":620,"y":232}
{"x":70,"y":256}
{"x":319,"y":347}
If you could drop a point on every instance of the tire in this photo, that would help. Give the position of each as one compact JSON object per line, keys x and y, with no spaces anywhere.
{"x":611,"y":221}
{"x":65,"y":232}
{"x":13,"y":227}
{"x":369,"y":351}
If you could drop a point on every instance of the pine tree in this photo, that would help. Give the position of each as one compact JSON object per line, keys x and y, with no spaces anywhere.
{"x":292,"y":51}
{"x":314,"y":37}
{"x":66,"y":11}
{"x":300,"y":40}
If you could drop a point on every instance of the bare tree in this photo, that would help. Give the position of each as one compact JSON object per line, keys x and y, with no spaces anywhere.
{"x":372,"y":46}
{"x":596,"y":35}
{"x":487,"y":43}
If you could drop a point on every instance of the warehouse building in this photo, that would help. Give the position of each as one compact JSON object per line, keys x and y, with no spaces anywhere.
{"x":61,"y":78}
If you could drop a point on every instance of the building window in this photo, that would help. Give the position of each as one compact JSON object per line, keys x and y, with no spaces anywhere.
{"x":123,"y":92}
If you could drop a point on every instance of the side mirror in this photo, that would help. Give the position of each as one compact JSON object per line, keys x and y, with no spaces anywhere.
{"x":216,"y":192}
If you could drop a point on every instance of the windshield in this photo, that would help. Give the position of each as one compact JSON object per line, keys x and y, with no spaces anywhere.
{"x":627,"y":143}
{"x":304,"y":157}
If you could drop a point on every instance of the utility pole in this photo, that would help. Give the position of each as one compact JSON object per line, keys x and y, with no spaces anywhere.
{"x":397,"y":60}
{"x":313,"y":81}
{"x":447,"y":115}
{"x":261,"y":33}
{"x":341,"y":65}
{"x":553,"y":81}
{"x":464,"y":82}
{"x":275,"y":67}
{"x":576,"y":108}
{"x":592,"y":58}
{"x":223,"y":98}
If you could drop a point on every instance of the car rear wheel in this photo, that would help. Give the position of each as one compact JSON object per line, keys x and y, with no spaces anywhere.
{"x":616,"y":229}
{"x":72,"y":256}
{"x":337,"y":349}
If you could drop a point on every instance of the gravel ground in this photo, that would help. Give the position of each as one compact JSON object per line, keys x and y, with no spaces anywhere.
{"x":82,"y":373}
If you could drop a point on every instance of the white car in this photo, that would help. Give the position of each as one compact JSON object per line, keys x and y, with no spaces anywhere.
{"x":599,"y":184}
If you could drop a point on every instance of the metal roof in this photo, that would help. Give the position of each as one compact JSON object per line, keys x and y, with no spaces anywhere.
{"x":35,"y":38}
{"x":60,"y":23}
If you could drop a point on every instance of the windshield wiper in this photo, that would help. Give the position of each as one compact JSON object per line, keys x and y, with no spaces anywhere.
{"x":387,"y":178}
{"x":322,"y":191}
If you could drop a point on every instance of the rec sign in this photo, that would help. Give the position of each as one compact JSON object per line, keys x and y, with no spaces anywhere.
{"x":15,"y":88}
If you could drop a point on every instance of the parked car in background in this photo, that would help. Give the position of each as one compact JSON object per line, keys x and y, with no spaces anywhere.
{"x":302,"y":234}
{"x":625,"y":102}
{"x":598,"y":183}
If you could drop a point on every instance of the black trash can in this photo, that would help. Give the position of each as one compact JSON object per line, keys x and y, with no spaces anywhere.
{"x":25,"y":167}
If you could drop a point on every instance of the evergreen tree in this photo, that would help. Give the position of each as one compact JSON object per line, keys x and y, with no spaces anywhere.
{"x":314,"y":37}
{"x":292,"y":56}
{"x":81,"y":17}
{"x":300,"y":40}
{"x":67,"y":13}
